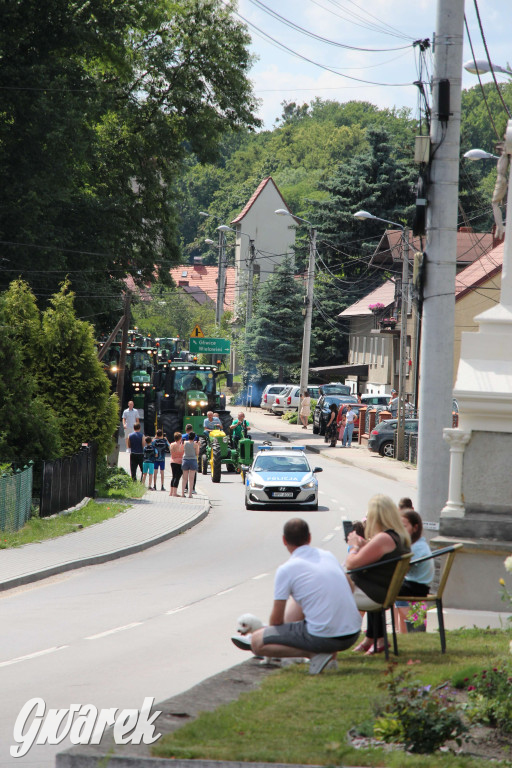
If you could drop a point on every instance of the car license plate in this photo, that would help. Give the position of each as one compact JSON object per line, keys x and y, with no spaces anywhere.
{"x":287,"y":495}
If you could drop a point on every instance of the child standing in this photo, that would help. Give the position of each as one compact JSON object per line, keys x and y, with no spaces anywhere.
{"x":148,"y":466}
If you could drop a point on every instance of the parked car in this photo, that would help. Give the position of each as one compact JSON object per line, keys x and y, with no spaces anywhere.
{"x":335,"y":388}
{"x":382,"y":436}
{"x":321,"y":414}
{"x":281,"y":476}
{"x":375,"y":399}
{"x":289,"y":399}
{"x":269,"y":394}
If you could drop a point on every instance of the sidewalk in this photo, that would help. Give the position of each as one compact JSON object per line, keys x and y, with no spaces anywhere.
{"x":357,"y":456}
{"x":149,"y":521}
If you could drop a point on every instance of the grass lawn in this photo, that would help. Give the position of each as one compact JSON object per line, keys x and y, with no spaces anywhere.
{"x":297,"y":718}
{"x":42,"y":528}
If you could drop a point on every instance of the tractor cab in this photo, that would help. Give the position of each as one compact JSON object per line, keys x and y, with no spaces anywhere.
{"x":181,"y":394}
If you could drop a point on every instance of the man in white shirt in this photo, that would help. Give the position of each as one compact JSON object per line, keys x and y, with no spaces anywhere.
{"x":130,"y":419}
{"x":211,"y":422}
{"x":314,"y":612}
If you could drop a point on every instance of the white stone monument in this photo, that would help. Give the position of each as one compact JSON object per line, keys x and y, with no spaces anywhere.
{"x":478,"y":511}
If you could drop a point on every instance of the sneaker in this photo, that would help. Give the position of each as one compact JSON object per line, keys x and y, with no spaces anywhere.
{"x":242,"y":641}
{"x":319,"y":662}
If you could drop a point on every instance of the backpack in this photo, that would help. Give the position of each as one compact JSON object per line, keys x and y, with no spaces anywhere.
{"x":150,"y":453}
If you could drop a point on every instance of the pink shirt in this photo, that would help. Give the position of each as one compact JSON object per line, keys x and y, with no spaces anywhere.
{"x":177,"y":451}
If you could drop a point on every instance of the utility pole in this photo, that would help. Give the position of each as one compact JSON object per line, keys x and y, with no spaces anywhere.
{"x":306,"y":344}
{"x":438,"y":319}
{"x":402,"y":375}
{"x":122,"y":355}
{"x":219,"y":310}
{"x":250,"y":281}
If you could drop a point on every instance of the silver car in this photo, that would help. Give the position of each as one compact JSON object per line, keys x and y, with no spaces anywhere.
{"x":269,"y":395}
{"x":281,"y":476}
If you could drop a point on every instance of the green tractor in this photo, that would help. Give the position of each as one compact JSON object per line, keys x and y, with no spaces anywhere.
{"x":218,"y":449}
{"x":182,"y":393}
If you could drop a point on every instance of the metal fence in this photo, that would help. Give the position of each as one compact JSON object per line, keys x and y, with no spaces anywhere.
{"x":67,"y":481}
{"x":15,"y":499}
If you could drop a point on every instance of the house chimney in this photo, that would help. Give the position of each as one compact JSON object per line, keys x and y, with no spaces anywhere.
{"x":198,"y":261}
{"x":466,"y":229}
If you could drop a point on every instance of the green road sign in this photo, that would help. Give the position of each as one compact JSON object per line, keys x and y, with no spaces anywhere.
{"x":200,"y":346}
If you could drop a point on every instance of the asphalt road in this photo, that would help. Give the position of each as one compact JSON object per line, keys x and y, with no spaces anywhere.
{"x":158,"y":622}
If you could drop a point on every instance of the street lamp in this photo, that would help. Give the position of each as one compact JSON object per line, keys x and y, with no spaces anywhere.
{"x":400,"y":432}
{"x":306,"y":343}
{"x":482,"y":66}
{"x":479,"y":154}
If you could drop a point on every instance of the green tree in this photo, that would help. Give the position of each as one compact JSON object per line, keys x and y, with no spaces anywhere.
{"x":30,"y":430}
{"x":102,"y":104}
{"x":72,"y":379}
{"x":170,"y":312}
{"x":273,"y":339}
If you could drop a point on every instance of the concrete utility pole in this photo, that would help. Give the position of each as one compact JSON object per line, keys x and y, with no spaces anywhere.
{"x":219,"y":309}
{"x":306,"y":344}
{"x":250,"y":281}
{"x":437,"y":344}
{"x":402,"y":375}
{"x":122,"y":355}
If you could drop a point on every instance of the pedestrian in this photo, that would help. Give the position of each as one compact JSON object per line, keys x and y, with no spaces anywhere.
{"x":350,"y":417}
{"x":188,"y":429}
{"x":314,"y":613}
{"x":405,"y":503}
{"x":130,"y":419}
{"x":162,"y":447}
{"x":148,"y":466}
{"x":177,"y":449}
{"x":135,"y":445}
{"x":239,"y":428}
{"x":189,"y":463}
{"x":393,"y":404}
{"x":305,"y":409}
{"x":331,"y":430}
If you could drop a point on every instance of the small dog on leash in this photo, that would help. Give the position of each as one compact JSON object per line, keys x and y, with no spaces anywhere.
{"x":248,"y":623}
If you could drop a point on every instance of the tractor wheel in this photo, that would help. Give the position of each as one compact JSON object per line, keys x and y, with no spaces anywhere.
{"x":231,"y":467}
{"x":149,"y":418}
{"x":216,"y":462}
{"x":226,"y":420}
{"x":170,"y":423}
{"x":203,"y":466}
{"x":202,"y":452}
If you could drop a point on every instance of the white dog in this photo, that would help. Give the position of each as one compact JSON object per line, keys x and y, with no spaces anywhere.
{"x":248,"y":623}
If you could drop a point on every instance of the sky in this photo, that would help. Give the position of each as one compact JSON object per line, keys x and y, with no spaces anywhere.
{"x":279,"y":75}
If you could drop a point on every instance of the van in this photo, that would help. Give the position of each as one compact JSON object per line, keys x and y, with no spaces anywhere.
{"x":375,"y":399}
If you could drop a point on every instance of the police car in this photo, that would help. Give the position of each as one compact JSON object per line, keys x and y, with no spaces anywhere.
{"x":281,"y":476}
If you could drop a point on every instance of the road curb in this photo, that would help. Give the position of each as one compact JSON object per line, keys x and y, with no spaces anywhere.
{"x":29,"y":578}
{"x":339,"y":459}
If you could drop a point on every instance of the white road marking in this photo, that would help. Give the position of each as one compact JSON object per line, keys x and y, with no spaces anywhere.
{"x":33,"y":655}
{"x":338,"y":527}
{"x":334,"y":501}
{"x":328,"y":537}
{"x":260,"y":576}
{"x":225,"y":591}
{"x":322,"y":492}
{"x":113,"y":631}
{"x":176,"y":610}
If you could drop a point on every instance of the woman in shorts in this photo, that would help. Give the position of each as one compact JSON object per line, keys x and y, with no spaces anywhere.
{"x":189,"y":463}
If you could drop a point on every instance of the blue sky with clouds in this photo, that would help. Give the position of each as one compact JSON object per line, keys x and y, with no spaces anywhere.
{"x":376,"y":25}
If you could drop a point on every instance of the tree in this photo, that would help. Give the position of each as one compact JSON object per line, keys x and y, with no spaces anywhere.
{"x":72,"y":379}
{"x":274,"y":334}
{"x":170,"y":312}
{"x":102,"y":104}
{"x":30,"y":430}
